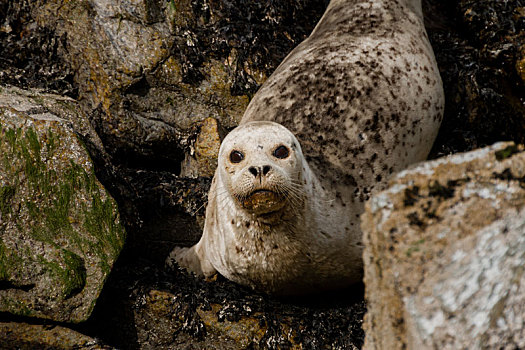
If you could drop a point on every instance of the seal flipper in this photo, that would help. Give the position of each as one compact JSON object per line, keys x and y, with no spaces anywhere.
{"x":191,"y":260}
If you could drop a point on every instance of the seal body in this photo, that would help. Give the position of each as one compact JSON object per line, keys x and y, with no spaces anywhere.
{"x":360,"y":99}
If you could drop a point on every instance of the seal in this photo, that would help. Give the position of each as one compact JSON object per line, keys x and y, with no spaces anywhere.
{"x":263,"y":225}
{"x":360,"y":99}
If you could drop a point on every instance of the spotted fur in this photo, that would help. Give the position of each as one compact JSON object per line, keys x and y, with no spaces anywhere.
{"x":364,"y":98}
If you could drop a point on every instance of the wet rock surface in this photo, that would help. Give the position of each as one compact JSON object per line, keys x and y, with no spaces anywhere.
{"x":444,"y":254}
{"x":479,"y":49}
{"x":31,"y":55}
{"x":25,"y":336}
{"x":156,"y":69}
{"x":59,"y":229}
{"x":165,"y":310}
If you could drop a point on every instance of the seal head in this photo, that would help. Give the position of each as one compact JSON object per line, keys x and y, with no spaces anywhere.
{"x":260,"y":166}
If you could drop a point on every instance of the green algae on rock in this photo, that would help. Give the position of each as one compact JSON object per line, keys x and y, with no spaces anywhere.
{"x":59,"y":229}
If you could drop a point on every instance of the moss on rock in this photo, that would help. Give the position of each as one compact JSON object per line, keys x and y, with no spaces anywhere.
{"x":60,"y":229}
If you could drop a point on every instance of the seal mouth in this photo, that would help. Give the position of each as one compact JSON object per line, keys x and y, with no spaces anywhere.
{"x":262,"y":201}
{"x":262,"y":194}
{"x":260,"y":191}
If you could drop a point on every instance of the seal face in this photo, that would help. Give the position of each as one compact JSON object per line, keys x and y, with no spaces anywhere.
{"x":258,"y":168}
{"x":363,"y":99}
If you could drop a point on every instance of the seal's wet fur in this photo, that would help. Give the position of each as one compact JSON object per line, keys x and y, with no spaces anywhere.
{"x":364,"y":99}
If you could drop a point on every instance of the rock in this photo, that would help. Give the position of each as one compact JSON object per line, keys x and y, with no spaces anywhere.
{"x":144,"y":307}
{"x":162,"y":317}
{"x":151,"y":75}
{"x":59,"y":228}
{"x":444,"y":254}
{"x":202,"y":161}
{"x":479,"y":47}
{"x":24,"y":336}
{"x":157,"y":69}
{"x":31,"y":55}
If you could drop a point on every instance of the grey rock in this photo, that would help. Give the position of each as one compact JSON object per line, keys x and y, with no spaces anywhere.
{"x":130,"y":69}
{"x":59,"y":228}
{"x":444,"y":254}
{"x":156,"y":69}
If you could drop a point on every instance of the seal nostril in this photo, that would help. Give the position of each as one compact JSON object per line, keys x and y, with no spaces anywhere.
{"x":253,"y":170}
{"x":266,"y":169}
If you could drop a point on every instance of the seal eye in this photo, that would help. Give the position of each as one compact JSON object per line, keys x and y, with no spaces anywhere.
{"x":236,"y":157}
{"x":281,"y":152}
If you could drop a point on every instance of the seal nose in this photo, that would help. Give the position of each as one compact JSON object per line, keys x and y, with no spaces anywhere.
{"x":256,"y":171}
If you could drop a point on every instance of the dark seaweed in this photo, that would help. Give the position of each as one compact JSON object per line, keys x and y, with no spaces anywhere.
{"x":31,"y":56}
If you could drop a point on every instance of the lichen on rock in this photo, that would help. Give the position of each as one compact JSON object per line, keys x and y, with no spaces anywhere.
{"x":444,"y":254}
{"x":59,"y":228}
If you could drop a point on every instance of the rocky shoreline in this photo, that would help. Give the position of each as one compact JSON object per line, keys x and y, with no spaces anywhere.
{"x":145,"y":90}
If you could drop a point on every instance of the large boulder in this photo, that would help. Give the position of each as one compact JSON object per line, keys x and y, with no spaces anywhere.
{"x":59,"y":229}
{"x":444,"y":254}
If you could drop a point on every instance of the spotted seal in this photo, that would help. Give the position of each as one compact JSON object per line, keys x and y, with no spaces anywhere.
{"x":360,"y":99}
